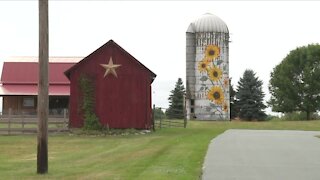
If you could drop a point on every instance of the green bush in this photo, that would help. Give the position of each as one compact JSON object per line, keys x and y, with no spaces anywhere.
{"x":272,"y":118}
{"x":91,"y":121}
{"x":159,"y":114}
{"x":298,"y":116}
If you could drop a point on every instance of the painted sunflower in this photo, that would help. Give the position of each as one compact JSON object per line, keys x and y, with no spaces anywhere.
{"x":215,"y":95}
{"x":203,"y":65}
{"x":215,"y":73}
{"x":212,"y":52}
{"x":225,"y":107}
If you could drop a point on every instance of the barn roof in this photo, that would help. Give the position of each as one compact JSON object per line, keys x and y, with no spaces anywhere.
{"x":21,"y":78}
{"x":109,"y":44}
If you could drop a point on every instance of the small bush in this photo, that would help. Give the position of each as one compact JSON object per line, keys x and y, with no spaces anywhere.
{"x":298,"y":116}
{"x":159,"y":114}
{"x":91,"y":122}
{"x":273,"y":118}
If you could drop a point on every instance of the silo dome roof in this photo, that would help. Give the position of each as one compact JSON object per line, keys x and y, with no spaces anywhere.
{"x":208,"y":23}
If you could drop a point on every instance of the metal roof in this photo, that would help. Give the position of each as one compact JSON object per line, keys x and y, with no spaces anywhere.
{"x":32,"y":89}
{"x":21,"y":78}
{"x":27,"y":73}
{"x":52,"y":59}
{"x":208,"y":23}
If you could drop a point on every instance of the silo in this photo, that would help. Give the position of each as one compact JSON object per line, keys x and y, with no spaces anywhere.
{"x":207,"y":69}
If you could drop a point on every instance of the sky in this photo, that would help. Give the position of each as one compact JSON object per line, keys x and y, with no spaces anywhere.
{"x":262,"y":33}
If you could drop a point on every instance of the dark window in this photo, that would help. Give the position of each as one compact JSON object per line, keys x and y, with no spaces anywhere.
{"x":192,"y":110}
{"x":28,"y":102}
{"x":192,"y":102}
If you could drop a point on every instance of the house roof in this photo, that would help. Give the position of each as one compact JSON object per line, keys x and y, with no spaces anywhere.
{"x":21,"y":78}
{"x":52,"y":59}
{"x":22,"y":90}
{"x":110,"y":43}
{"x":27,"y":73}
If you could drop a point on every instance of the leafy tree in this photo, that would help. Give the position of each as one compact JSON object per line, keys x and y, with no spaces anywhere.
{"x":250,"y":97}
{"x":176,"y":105}
{"x":233,"y":101}
{"x":294,"y":83}
{"x":158,"y":113}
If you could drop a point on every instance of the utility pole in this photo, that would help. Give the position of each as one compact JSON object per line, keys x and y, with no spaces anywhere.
{"x":43,"y":97}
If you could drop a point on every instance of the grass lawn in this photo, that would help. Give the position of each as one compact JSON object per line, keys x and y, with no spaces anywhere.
{"x":174,"y":153}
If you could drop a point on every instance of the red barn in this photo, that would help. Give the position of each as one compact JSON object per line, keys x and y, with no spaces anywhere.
{"x":122,"y":88}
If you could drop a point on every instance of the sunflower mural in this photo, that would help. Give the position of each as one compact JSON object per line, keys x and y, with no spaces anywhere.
{"x":215,"y":73}
{"x":203,"y":65}
{"x":214,"y":83}
{"x":216,"y":95}
{"x":212,"y":52}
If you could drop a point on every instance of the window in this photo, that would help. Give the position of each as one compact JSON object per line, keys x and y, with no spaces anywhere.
{"x":192,"y":102}
{"x":28,"y":102}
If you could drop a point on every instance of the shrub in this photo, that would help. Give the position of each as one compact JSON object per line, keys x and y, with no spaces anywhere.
{"x":298,"y":116}
{"x":273,"y":118}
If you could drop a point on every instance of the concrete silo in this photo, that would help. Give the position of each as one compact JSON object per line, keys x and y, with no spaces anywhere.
{"x":207,"y":71}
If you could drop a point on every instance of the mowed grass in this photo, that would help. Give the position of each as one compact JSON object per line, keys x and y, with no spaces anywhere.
{"x":171,"y":153}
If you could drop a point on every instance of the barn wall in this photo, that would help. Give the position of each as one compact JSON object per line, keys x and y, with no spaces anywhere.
{"x":75,"y":116}
{"x":122,"y":102}
{"x":123,"y":105}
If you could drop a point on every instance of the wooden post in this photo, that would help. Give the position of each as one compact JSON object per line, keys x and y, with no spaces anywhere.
{"x":65,"y":124}
{"x":64,"y":113}
{"x":9,"y":121}
{"x":153,"y":119}
{"x":22,"y":123}
{"x":185,"y":113}
{"x":160,"y":123}
{"x":43,"y":97}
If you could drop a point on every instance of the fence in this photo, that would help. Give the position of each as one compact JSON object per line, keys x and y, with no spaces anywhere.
{"x":27,"y":124}
{"x":161,"y":121}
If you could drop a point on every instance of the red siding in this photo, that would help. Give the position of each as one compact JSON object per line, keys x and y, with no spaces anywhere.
{"x":123,"y":102}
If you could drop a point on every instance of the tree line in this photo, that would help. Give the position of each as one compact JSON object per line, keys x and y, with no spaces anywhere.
{"x":294,"y":87}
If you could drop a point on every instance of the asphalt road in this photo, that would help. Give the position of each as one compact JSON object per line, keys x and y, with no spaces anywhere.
{"x":263,"y":155}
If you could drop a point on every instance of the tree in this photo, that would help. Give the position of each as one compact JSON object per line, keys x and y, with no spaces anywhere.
{"x":233,"y":101}
{"x":250,"y":97}
{"x":158,"y":113}
{"x":176,"y":101}
{"x":294,"y":83}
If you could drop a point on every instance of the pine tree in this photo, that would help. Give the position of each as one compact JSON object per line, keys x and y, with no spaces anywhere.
{"x":233,"y":102}
{"x":250,"y":97}
{"x":176,"y":105}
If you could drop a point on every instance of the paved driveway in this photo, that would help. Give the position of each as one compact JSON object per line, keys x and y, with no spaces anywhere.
{"x":263,"y":155}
